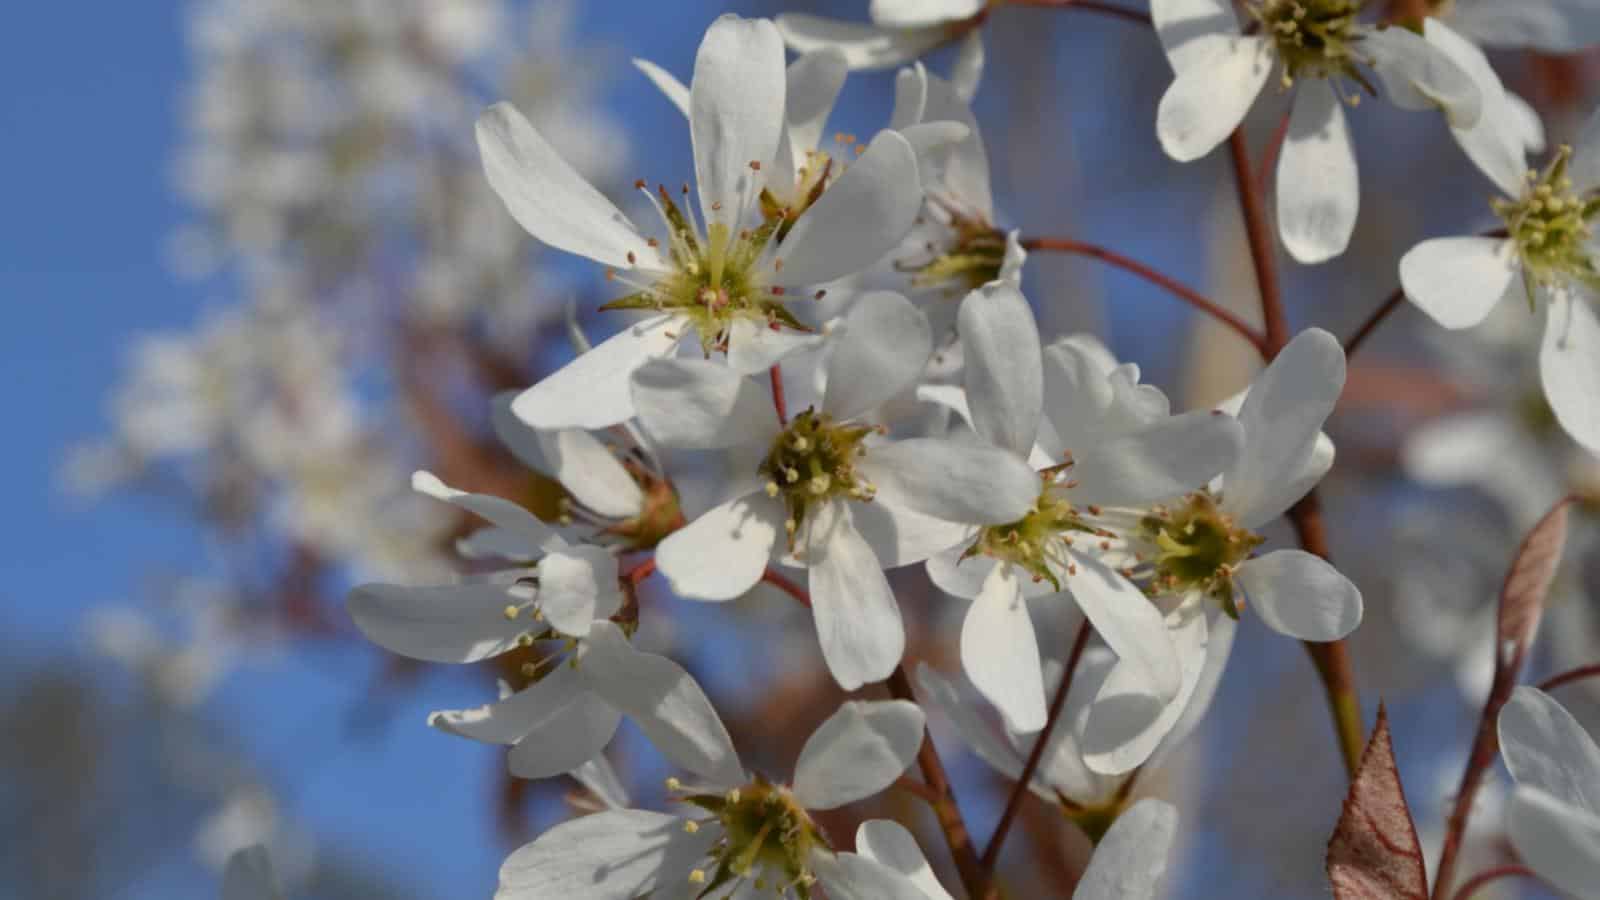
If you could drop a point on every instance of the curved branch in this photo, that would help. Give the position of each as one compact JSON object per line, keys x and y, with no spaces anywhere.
{"x":1488,"y":875}
{"x":1128,"y":264}
{"x":1372,"y":322}
{"x":1569,"y":676}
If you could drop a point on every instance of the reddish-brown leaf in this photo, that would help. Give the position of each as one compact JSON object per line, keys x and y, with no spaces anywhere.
{"x":1526,"y":585}
{"x":1374,"y":853}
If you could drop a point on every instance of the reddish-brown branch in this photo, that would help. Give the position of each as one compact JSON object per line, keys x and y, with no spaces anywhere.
{"x":1269,"y":159}
{"x":1019,"y":791}
{"x":1332,"y":660}
{"x":1374,"y":320}
{"x":1569,"y":676}
{"x":781,"y":582}
{"x":945,"y":808}
{"x":776,"y":374}
{"x":1484,"y":746}
{"x":641,"y":571}
{"x":1477,"y":881}
{"x":1132,"y":266}
{"x":1095,"y":6}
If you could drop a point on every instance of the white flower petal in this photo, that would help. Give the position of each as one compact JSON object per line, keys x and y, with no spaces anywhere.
{"x":676,"y":92}
{"x":1319,"y":191}
{"x":900,"y":536}
{"x":1126,"y":723}
{"x":454,"y":623}
{"x":249,"y":876}
{"x":849,"y":876}
{"x":722,"y":554}
{"x":1209,"y":99}
{"x":964,"y":173}
{"x":888,"y":843}
{"x":882,"y":350}
{"x":1569,"y":368}
{"x":859,"y":219}
{"x":968,"y":68}
{"x":549,"y":198}
{"x":959,"y":575}
{"x":507,"y":720}
{"x":1300,"y":595}
{"x":698,"y":404}
{"x":910,"y":96}
{"x":1157,"y":462}
{"x":1418,"y":75}
{"x":615,"y":855}
{"x":496,"y":510}
{"x":1545,"y":748}
{"x":1000,"y":652}
{"x":1219,"y":633}
{"x":953,"y":480}
{"x":961,"y":708}
{"x":860,"y":750}
{"x":814,"y":81}
{"x":755,"y":347}
{"x":1129,"y":623}
{"x":1130,"y":861}
{"x":1282,"y":419}
{"x":523,"y":442}
{"x":600,"y":778}
{"x":591,"y":473}
{"x":1497,"y":143}
{"x":1191,"y":30}
{"x":592,"y":391}
{"x":564,"y":737}
{"x":921,"y":13}
{"x":736,"y":105}
{"x":1457,"y":280}
{"x":664,"y":701}
{"x":1561,"y":844}
{"x":576,"y":586}
{"x":1004,"y":374}
{"x":857,"y":617}
{"x":864,"y":46}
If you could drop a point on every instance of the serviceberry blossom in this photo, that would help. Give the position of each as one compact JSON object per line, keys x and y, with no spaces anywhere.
{"x":1202,"y":548}
{"x":900,"y":31}
{"x":564,"y":608}
{"x":1129,"y":861}
{"x":725,"y":275}
{"x":1544,"y":255}
{"x":1323,"y":51}
{"x":1554,"y":815}
{"x":1100,"y":442}
{"x":741,"y":833}
{"x":824,"y":488}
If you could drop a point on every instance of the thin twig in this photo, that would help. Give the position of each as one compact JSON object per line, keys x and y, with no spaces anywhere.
{"x":1127,"y":264}
{"x":781,"y":582}
{"x":1569,"y":676}
{"x":1482,"y":878}
{"x":1332,"y":660}
{"x":1019,"y":791}
{"x":1372,"y":322}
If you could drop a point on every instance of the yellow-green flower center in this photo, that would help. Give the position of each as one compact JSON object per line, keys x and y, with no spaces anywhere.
{"x":812,"y":460}
{"x":1036,"y":542}
{"x":1197,"y":548}
{"x":766,"y":835}
{"x":1313,"y":38}
{"x":971,"y":257}
{"x":714,"y":281}
{"x":1551,"y":227}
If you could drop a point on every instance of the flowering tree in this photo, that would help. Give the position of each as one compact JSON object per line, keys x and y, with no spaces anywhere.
{"x":825,"y":387}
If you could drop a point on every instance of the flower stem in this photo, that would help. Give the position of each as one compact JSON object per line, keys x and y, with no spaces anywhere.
{"x":1332,"y":660}
{"x":1133,"y":266}
{"x":942,"y":799}
{"x":1569,"y":676}
{"x":1372,"y":322}
{"x":1019,"y":791}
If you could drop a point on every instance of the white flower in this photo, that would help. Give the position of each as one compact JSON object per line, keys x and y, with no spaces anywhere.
{"x":901,"y":31}
{"x":748,"y":832}
{"x":249,"y":876}
{"x":727,"y":281}
{"x":1547,"y":253}
{"x":823,"y":487}
{"x":1554,"y":814}
{"x":1320,"y":45}
{"x":1129,"y":862}
{"x":582,"y":687}
{"x":1105,"y":446}
{"x":1553,"y":26}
